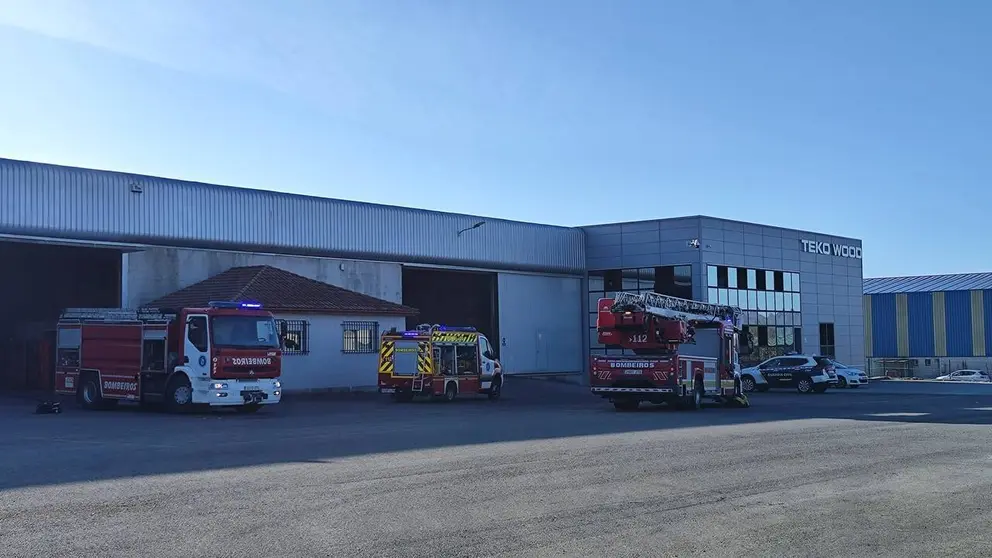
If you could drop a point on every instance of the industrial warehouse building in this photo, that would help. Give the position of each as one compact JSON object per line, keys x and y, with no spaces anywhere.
{"x":84,"y":238}
{"x":801,"y":291}
{"x":925,"y":326}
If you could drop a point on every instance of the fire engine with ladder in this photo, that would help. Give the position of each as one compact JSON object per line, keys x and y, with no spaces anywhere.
{"x":227,"y":354}
{"x":685,"y":352}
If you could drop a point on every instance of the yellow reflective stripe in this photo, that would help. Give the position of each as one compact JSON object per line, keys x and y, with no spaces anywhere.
{"x":386,"y":357}
{"x":424,"y":358}
{"x":454,"y":337}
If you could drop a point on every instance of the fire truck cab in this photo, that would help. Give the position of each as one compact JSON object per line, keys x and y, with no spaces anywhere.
{"x":438,"y":361}
{"x":227,"y":354}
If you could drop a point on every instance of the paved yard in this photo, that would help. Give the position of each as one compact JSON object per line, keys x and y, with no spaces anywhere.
{"x":549,"y":471}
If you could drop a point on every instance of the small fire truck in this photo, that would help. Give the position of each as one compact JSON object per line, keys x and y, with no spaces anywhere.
{"x":438,"y":361}
{"x":684,"y":352}
{"x":227,"y":354}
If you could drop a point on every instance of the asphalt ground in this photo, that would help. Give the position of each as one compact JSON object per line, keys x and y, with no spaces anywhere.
{"x":547,"y":471}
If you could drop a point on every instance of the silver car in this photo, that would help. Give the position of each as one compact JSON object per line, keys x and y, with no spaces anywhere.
{"x":965,"y":376}
{"x":848,"y":376}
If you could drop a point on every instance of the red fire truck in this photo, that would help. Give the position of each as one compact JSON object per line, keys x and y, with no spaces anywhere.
{"x":684,"y":352}
{"x":438,"y":361}
{"x":227,"y":354}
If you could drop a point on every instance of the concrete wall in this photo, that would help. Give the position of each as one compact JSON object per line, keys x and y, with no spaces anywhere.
{"x":326,"y":366}
{"x":541,"y":323}
{"x":156,"y":272}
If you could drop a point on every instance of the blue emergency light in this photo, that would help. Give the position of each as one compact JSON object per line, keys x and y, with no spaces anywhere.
{"x":411,"y":333}
{"x":230,"y":304}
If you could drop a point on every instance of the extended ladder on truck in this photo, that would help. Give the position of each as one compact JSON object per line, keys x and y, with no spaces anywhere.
{"x":684,"y":351}
{"x":675,"y":308}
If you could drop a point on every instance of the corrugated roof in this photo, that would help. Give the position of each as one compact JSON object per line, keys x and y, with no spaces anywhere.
{"x":279,"y":290}
{"x":76,"y":204}
{"x":928,"y":283}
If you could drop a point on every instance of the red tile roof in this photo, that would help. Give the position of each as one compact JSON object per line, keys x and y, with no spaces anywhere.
{"x":279,"y":290}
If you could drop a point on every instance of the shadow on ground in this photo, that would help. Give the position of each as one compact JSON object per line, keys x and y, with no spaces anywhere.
{"x":81,"y":446}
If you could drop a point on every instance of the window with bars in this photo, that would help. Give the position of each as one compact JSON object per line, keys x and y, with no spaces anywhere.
{"x":295,"y":337}
{"x":360,"y":337}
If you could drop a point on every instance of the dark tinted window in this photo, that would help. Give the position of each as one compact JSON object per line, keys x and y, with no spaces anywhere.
{"x":779,"y":281}
{"x":742,"y":282}
{"x":613,"y":279}
{"x":675,"y":280}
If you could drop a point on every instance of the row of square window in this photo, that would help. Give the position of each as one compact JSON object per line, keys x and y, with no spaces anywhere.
{"x":674,"y":280}
{"x":772,"y":333}
{"x":756,"y":300}
{"x":725,"y":277}
{"x":774,"y":336}
{"x":749,"y":317}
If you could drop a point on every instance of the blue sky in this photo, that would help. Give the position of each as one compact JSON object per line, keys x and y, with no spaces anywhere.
{"x":863,"y":119}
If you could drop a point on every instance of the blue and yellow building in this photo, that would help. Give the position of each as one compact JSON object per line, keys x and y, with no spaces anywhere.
{"x":928,"y":325}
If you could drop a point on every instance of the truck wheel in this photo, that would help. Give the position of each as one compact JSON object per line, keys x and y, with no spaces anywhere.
{"x":747,"y":384}
{"x":697,"y":396}
{"x":495,"y":390}
{"x":179,"y":394}
{"x":89,"y":393}
{"x":450,"y":392}
{"x":626,"y":404}
{"x":805,"y":385}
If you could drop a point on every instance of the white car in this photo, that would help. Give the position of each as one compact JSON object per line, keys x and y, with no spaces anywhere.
{"x":965,"y":376}
{"x":752,"y":380}
{"x":807,"y":374}
{"x":848,"y":376}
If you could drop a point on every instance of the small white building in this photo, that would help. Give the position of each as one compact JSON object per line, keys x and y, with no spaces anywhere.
{"x":332,"y":334}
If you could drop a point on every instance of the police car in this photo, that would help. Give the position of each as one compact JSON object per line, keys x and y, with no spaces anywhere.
{"x":804,"y":373}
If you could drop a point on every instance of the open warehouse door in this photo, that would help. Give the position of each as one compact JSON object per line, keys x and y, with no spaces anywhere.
{"x":38,"y":281}
{"x":455,"y":298}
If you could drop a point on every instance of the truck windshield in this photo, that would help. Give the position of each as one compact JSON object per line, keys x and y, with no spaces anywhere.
{"x":245,"y":332}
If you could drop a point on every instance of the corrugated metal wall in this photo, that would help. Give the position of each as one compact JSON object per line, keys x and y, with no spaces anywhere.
{"x":919,"y":324}
{"x":939,"y":324}
{"x":64,"y":202}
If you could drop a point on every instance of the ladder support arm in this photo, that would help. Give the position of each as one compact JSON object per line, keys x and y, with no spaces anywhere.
{"x":676,"y":308}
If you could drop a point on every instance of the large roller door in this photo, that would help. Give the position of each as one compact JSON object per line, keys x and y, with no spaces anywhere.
{"x":540,"y":323}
